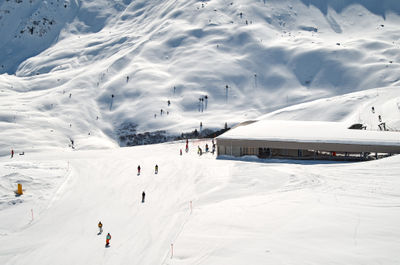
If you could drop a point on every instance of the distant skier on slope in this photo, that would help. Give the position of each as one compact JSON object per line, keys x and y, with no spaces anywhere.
{"x":138,"y":170}
{"x":12,"y":153}
{"x":143,"y":195}
{"x":100,"y":225}
{"x":180,"y":151}
{"x":156,"y":169}
{"x":108,"y":238}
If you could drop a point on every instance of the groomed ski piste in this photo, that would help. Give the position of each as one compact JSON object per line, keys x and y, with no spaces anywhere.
{"x":213,"y":211}
{"x":302,"y":60}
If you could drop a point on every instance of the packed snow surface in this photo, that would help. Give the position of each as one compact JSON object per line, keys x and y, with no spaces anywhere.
{"x":212,"y":211}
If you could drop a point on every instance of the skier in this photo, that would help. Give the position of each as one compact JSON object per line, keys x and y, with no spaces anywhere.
{"x":108,"y":238}
{"x":100,"y":225}
{"x":207,"y":148}
{"x":12,"y":153}
{"x":156,"y":169}
{"x":143,"y":195}
{"x":180,"y":151}
{"x":187,"y":148}
{"x":138,"y":170}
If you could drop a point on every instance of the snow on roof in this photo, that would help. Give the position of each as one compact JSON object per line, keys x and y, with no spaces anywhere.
{"x":310,"y":131}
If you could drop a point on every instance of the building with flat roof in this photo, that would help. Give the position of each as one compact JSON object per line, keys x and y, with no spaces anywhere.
{"x":306,"y":140}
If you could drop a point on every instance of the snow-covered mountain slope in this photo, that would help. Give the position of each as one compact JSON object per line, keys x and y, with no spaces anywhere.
{"x":84,"y":73}
{"x":242,"y":212}
{"x":248,"y":57}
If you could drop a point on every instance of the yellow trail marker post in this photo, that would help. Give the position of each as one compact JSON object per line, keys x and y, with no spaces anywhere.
{"x":19,"y":191}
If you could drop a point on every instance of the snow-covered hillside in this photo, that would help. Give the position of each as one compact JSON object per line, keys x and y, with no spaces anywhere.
{"x":62,"y":62}
{"x":94,"y":74}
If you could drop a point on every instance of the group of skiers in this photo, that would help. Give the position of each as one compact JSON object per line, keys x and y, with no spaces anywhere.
{"x":108,"y":237}
{"x":100,"y":225}
{"x":155,"y":169}
{"x":200,"y":151}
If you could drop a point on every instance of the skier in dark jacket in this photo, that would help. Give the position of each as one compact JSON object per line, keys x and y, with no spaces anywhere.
{"x":143,"y":195}
{"x":100,"y":225}
{"x":156,"y":169}
{"x":138,"y":170}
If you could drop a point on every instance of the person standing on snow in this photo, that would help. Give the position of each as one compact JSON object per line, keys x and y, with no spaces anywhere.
{"x":108,"y":238}
{"x":138,"y":170}
{"x":180,"y":151}
{"x":156,"y":169}
{"x":143,"y":195}
{"x":100,"y":225}
{"x":12,"y":153}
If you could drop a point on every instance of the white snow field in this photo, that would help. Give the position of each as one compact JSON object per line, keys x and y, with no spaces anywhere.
{"x":277,"y":212}
{"x":308,"y":60}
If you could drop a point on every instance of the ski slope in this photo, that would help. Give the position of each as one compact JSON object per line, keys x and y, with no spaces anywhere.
{"x":274,"y":212}
{"x":310,"y":60}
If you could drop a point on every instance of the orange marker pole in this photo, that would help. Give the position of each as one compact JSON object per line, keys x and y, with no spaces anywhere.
{"x":19,"y":191}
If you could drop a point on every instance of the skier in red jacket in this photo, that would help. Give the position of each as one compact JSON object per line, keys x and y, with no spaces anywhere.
{"x":108,"y":238}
